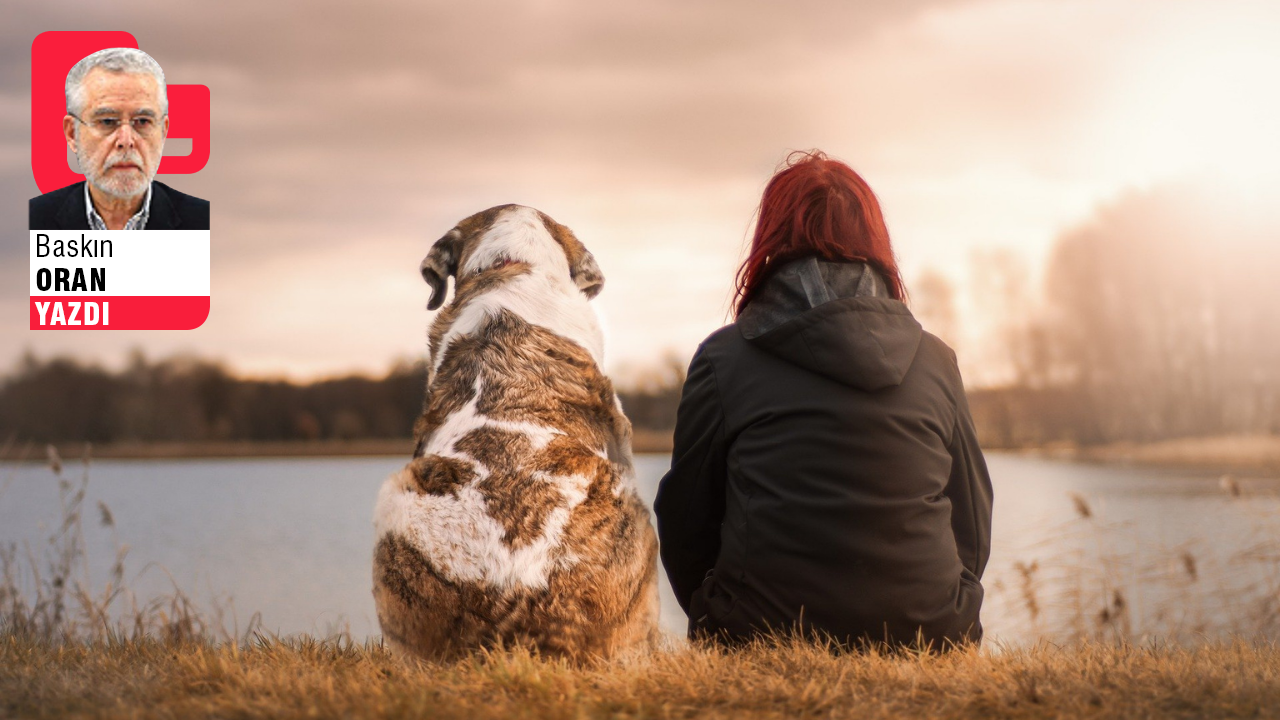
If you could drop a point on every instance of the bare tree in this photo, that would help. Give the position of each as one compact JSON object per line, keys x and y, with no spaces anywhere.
{"x":1163,"y":315}
{"x":933,"y":302}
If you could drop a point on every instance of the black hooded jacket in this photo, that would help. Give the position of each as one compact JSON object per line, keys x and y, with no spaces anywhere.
{"x":826,"y":471}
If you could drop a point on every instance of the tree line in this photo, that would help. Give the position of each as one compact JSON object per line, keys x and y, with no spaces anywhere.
{"x":187,"y":399}
{"x":1159,"y":319}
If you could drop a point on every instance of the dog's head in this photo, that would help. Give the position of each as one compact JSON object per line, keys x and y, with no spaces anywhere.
{"x":503,"y":236}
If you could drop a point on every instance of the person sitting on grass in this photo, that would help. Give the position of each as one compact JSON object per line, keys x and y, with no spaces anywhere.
{"x":826,"y":474}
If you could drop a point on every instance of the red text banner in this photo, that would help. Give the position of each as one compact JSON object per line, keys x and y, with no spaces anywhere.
{"x":118,"y":312}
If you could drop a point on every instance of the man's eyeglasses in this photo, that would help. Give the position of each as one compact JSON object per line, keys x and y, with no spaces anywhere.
{"x":145,"y":126}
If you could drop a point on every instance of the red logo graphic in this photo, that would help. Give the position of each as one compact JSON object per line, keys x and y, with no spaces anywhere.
{"x":52,"y":55}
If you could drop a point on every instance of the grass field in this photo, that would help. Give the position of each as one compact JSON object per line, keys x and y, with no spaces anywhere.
{"x":304,"y":678}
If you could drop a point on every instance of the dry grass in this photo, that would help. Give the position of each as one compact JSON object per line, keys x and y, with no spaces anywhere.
{"x":1090,"y":578}
{"x":306,"y":678}
{"x":47,"y":596}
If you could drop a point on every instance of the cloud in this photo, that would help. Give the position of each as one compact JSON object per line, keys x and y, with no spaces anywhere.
{"x":348,"y":135}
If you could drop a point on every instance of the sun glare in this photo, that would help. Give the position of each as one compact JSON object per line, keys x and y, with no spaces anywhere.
{"x":1201,"y":98}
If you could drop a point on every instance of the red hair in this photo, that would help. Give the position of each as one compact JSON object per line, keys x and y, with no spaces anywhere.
{"x":817,"y":206}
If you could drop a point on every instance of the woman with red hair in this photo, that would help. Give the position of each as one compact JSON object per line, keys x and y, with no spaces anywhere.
{"x":826,"y":475}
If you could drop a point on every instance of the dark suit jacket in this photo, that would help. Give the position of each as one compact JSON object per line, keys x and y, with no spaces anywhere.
{"x":63,"y":209}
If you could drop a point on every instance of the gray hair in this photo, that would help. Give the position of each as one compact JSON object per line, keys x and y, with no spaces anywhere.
{"x":120,"y":60}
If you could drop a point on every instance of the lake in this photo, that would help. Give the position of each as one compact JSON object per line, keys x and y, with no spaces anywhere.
{"x":1077,"y":549}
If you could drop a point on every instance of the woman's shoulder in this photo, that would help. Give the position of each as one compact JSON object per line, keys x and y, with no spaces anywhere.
{"x":941,"y":362}
{"x":721,"y":344}
{"x":725,"y":335}
{"x":937,"y":348}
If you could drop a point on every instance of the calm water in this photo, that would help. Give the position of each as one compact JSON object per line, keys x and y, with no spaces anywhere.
{"x":1164,"y":552}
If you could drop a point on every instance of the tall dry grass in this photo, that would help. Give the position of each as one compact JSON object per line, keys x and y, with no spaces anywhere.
{"x":1099,"y":580}
{"x":47,"y":596}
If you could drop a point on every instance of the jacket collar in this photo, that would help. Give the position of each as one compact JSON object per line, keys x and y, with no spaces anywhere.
{"x":834,"y":319}
{"x":72,"y":214}
{"x":163,"y":214}
{"x":804,"y":284}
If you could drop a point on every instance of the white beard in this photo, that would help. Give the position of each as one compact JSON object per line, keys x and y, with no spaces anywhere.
{"x":117,"y":186}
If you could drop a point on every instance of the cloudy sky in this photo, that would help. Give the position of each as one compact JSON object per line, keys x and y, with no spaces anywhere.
{"x":348,"y":137}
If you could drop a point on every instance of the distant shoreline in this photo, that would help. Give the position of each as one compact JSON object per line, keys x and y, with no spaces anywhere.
{"x":1226,"y":454}
{"x":644,"y":441}
{"x":1230,"y":454}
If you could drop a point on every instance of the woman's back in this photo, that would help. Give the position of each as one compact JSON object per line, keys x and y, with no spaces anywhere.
{"x":825,"y":467}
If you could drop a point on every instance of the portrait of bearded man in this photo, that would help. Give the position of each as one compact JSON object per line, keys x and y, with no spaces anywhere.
{"x":116,"y":123}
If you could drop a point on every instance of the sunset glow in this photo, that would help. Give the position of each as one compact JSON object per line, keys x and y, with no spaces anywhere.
{"x":989,"y":126}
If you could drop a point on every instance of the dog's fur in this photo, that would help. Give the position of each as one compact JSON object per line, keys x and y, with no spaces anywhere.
{"x":517,"y":521}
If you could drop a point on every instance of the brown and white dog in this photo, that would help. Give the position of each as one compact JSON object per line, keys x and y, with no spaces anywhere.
{"x":517,"y":521}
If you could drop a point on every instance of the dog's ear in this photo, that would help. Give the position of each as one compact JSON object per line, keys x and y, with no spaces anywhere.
{"x":439,"y":264}
{"x":582,"y":264}
{"x":586,"y":274}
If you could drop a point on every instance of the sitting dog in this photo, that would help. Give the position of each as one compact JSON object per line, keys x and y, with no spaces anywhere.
{"x":517,"y":521}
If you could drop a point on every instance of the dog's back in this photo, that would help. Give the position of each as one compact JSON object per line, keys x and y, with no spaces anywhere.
{"x":518,"y":519}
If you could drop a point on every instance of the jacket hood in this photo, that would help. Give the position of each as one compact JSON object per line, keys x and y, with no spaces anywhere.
{"x":836,"y":319}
